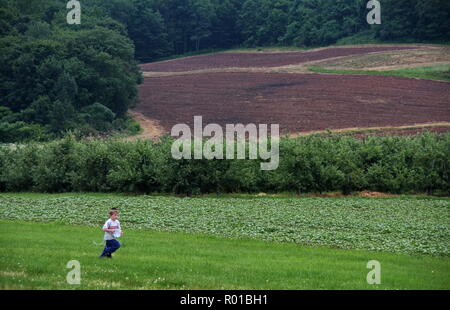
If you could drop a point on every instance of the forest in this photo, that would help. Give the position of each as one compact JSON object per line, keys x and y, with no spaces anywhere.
{"x":56,"y":77}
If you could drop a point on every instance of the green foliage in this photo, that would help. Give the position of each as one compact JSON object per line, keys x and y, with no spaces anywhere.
{"x":98,"y":116}
{"x":131,"y":126}
{"x":160,"y":29}
{"x":53,"y":172}
{"x":310,"y":164}
{"x":21,"y":131}
{"x":415,"y":19}
{"x":362,"y":37}
{"x":53,"y":74}
{"x":229,"y":23}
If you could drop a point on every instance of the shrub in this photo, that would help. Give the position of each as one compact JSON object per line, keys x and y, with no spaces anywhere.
{"x":310,"y":164}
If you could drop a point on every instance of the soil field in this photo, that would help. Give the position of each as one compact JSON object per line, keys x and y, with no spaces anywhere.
{"x":297,"y":102}
{"x":244,"y":60}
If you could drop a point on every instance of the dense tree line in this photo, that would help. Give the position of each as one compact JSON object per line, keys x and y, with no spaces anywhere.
{"x":309,"y":164}
{"x":164,"y":27}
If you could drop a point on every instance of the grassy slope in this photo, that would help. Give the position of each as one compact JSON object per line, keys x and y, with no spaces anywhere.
{"x":435,"y":72}
{"x":34,"y":256}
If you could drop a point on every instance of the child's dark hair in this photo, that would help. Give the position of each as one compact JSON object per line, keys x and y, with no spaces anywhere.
{"x":113,"y":211}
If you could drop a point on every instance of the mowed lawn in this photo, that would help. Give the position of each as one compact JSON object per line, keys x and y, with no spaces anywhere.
{"x":34,"y":256}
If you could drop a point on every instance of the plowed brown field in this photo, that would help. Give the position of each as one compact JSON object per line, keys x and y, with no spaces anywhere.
{"x":298,"y":102}
{"x":245,"y":60}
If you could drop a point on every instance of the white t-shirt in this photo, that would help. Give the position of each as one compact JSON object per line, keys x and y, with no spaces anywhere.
{"x":110,"y":224}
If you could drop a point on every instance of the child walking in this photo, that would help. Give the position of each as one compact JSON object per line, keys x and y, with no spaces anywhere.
{"x":112,"y":231}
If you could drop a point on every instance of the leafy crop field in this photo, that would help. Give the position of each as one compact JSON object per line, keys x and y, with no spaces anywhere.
{"x":399,"y":224}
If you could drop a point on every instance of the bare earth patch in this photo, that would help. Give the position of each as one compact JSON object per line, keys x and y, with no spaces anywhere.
{"x":374,"y":194}
{"x":151,"y":129}
{"x":340,"y":195}
{"x":301,"y":68}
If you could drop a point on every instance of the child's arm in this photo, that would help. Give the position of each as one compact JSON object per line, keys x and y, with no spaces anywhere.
{"x":109,"y":230}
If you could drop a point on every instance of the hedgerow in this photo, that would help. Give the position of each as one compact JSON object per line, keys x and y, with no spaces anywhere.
{"x":318,"y":163}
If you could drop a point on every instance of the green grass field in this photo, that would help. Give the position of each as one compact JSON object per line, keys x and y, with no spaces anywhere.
{"x":242,"y":242}
{"x":435,"y":72}
{"x":34,"y":256}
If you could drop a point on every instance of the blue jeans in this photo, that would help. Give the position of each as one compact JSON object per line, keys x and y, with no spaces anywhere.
{"x":111,"y":247}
